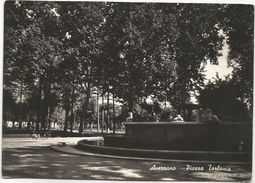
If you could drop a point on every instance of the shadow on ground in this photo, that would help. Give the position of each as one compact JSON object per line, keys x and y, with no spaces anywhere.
{"x":42,"y":162}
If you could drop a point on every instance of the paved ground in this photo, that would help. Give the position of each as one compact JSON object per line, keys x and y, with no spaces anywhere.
{"x":24,"y":157}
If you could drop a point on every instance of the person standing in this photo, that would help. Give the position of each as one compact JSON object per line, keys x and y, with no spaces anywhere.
{"x":178,"y":118}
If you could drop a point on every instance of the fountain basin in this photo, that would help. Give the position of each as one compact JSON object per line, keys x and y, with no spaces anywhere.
{"x":179,"y":140}
{"x":185,"y":136}
{"x":99,"y":148}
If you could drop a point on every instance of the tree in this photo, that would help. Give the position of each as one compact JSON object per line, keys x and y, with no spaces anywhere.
{"x":35,"y":52}
{"x":81,"y":23}
{"x":160,"y":50}
{"x":238,"y":24}
{"x":9,"y":105}
{"x":198,"y":41}
{"x":57,"y":53}
{"x":17,"y":52}
{"x":129,"y":59}
{"x":222,"y":97}
{"x":232,"y":99}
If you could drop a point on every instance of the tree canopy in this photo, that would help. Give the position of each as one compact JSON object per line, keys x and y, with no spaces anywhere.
{"x":57,"y":54}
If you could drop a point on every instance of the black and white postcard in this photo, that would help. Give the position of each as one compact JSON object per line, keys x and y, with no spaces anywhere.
{"x":133,"y":91}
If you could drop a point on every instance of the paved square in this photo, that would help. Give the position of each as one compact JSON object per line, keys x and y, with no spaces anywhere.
{"x":27,"y":158}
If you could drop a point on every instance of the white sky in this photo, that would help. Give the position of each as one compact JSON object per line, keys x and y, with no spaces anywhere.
{"x":222,"y":68}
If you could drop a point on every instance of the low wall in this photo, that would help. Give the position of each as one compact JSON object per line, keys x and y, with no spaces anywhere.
{"x":186,"y":136}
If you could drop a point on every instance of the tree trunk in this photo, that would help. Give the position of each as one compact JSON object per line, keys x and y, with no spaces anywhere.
{"x":20,"y":106}
{"x":50,"y":115}
{"x":72,"y":109}
{"x":85,"y":108}
{"x":102,"y":125}
{"x":86,"y":103}
{"x":81,"y":124}
{"x":38,"y":121}
{"x":108,"y":124}
{"x":98,"y":116}
{"x":44,"y":119}
{"x":28,"y":121}
{"x":66,"y":119}
{"x":84,"y":115}
{"x":72,"y":118}
{"x":67,"y":109}
{"x":130,"y":105}
{"x":50,"y":107}
{"x":165,"y":100}
{"x":113,"y":115}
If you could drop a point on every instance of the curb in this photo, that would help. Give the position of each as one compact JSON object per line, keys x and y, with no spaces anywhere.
{"x":73,"y":150}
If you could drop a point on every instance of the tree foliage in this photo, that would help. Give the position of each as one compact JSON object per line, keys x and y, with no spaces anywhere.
{"x":58,"y":53}
{"x":238,"y":25}
{"x":222,"y":97}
